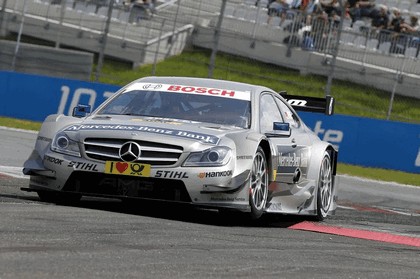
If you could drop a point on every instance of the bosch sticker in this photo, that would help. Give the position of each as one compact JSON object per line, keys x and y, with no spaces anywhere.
{"x":219,"y":92}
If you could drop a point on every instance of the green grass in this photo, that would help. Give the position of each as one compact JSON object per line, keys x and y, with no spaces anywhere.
{"x":380,"y":174}
{"x":20,"y":124}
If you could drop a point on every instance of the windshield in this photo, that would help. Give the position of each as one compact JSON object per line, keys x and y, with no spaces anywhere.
{"x":193,"y":107}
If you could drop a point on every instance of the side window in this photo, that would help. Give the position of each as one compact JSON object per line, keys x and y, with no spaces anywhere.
{"x":269,"y":113}
{"x":288,"y":115}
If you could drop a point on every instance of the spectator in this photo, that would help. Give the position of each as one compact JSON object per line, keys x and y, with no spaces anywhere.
{"x":380,"y":23}
{"x":411,"y":28}
{"x":380,"y":17}
{"x":398,"y":39}
{"x":308,"y":8}
{"x":331,"y":10}
{"x":140,"y":9}
{"x":396,"y":21}
{"x":330,"y":7}
{"x":278,"y":8}
{"x":414,"y":30}
{"x":359,"y":9}
{"x":319,"y":30}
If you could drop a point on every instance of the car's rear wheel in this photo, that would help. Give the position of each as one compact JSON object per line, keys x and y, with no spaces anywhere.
{"x":325,"y":188}
{"x":258,"y":186}
{"x":60,"y":198}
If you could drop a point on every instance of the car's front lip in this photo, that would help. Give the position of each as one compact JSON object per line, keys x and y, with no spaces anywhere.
{"x":215,"y":178}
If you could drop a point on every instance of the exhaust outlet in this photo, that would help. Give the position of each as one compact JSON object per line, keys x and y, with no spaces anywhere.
{"x":289,"y":175}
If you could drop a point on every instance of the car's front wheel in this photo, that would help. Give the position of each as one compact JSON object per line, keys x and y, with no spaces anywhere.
{"x":325,"y":188}
{"x":258,"y":187}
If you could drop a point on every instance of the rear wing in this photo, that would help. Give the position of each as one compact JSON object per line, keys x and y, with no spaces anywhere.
{"x":312,"y":104}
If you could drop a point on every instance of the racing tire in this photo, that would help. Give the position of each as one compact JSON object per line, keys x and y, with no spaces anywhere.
{"x":258,"y":185}
{"x":324,"y":198}
{"x":58,"y":198}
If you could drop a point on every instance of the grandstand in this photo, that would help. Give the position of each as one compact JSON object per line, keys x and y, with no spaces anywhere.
{"x":81,"y":24}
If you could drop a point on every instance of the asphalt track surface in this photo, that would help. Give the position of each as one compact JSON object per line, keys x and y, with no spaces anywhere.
{"x":375,"y":234}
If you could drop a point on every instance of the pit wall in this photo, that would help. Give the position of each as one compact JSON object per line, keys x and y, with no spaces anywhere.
{"x":361,"y":141}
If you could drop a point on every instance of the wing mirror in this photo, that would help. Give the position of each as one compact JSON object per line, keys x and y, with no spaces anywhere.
{"x":280,"y":129}
{"x":81,"y":110}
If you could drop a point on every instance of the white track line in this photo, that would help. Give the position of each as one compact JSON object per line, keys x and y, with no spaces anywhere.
{"x":18,"y":130}
{"x":15,"y":172}
{"x":391,"y":210}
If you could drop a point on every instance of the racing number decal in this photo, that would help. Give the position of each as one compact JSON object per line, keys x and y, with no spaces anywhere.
{"x":126,"y":168}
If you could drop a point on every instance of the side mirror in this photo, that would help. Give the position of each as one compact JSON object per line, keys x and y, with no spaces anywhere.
{"x":81,"y":110}
{"x":280,"y":129}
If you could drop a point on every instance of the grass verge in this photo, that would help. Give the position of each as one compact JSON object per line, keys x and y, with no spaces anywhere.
{"x":20,"y":124}
{"x":380,"y":174}
{"x":371,"y":173}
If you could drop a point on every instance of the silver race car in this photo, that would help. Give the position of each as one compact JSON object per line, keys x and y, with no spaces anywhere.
{"x":211,"y":143}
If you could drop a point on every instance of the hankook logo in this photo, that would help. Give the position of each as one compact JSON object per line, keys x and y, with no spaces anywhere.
{"x":130,"y":151}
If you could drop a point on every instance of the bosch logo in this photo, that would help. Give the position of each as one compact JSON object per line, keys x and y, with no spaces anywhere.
{"x":130,"y":151}
{"x":152,"y":86}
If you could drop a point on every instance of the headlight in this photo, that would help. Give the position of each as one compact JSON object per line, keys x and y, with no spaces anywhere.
{"x":63,"y":144}
{"x":212,"y":157}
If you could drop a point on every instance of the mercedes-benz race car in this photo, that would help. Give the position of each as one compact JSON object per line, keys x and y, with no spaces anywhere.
{"x":211,"y":143}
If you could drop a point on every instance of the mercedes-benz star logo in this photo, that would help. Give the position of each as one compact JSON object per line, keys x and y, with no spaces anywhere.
{"x":130,"y":151}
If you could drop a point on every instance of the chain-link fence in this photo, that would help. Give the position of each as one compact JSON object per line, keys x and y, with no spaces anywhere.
{"x":368,"y":71}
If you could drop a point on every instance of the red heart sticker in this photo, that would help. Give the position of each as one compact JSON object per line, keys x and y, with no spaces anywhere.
{"x":121,"y":167}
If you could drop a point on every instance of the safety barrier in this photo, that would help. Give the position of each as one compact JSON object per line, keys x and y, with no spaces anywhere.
{"x":361,"y":141}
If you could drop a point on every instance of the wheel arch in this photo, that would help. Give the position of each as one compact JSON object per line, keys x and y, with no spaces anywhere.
{"x":334,"y":158}
{"x":317,"y":154}
{"x":265,"y":145}
{"x":316,"y":162}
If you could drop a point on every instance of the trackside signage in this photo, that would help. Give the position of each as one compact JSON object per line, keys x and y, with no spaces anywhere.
{"x":369,"y":142}
{"x":34,"y":97}
{"x":361,"y":141}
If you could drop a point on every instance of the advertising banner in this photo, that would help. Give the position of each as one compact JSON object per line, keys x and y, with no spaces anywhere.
{"x":35,"y":97}
{"x":369,"y":142}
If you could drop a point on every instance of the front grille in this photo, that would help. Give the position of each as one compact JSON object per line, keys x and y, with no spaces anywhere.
{"x":122,"y":186}
{"x":155,"y":154}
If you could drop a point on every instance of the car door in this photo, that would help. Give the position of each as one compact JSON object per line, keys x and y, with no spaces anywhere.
{"x":290,"y":153}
